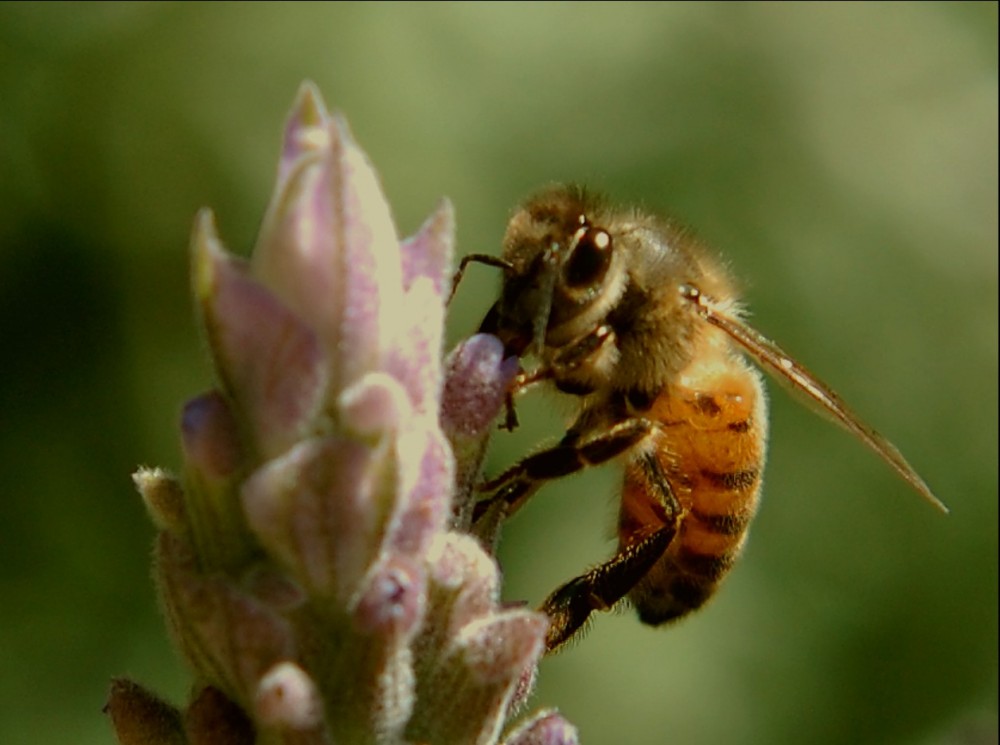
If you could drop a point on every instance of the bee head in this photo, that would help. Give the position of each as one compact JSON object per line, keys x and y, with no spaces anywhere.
{"x":563,"y":274}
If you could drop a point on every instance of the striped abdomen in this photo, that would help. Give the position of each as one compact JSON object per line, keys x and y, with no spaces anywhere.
{"x":710,"y":446}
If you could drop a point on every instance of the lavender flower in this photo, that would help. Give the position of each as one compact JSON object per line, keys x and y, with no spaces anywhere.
{"x":314,"y":561}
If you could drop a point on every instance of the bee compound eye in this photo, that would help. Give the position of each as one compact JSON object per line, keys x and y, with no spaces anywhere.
{"x":590,"y":258}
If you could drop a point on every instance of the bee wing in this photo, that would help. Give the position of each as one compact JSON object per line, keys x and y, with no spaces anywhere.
{"x":779,"y":364}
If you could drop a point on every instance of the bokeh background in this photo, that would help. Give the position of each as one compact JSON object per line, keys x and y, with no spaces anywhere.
{"x":843,"y":157}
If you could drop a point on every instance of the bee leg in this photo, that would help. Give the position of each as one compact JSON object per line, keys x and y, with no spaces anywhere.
{"x":583,"y":351}
{"x":487,"y":259}
{"x":569,"y":607}
{"x":518,"y":483}
{"x":522,"y":382}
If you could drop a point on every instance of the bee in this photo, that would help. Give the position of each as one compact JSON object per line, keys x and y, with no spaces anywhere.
{"x":629,"y":314}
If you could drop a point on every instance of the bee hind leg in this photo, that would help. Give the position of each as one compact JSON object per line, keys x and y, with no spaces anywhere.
{"x":569,"y":607}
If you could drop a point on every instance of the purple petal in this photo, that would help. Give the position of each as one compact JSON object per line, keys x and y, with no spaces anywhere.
{"x":467,"y":581}
{"x":545,"y":728}
{"x":502,"y":646}
{"x":415,"y":357}
{"x":374,"y":405}
{"x":328,"y":248}
{"x":269,"y":360}
{"x":426,"y":499}
{"x":305,"y":130}
{"x":210,"y":437}
{"x":321,"y":510}
{"x":467,"y":696}
{"x":428,"y":253}
{"x":220,"y":628}
{"x":392,"y":598}
{"x":477,"y":377}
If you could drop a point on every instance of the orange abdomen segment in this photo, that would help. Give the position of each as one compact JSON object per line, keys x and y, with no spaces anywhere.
{"x":710,"y":445}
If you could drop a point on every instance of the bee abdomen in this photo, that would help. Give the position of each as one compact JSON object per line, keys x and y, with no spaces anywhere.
{"x":711,"y":448}
{"x":728,"y":523}
{"x":692,"y":569}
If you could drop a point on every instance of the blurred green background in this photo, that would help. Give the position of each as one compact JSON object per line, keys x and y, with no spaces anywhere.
{"x":842,"y":157}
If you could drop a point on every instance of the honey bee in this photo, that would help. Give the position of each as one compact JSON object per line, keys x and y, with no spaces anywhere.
{"x":628,"y":313}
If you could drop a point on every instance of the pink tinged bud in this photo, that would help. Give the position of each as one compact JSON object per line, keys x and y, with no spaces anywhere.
{"x":415,"y":357}
{"x":523,"y":690}
{"x":328,"y":247}
{"x":477,"y":595}
{"x":322,"y":510}
{"x":269,"y":361}
{"x":287,"y":699}
{"x":482,"y":671}
{"x":499,"y":648}
{"x":305,"y":130}
{"x":545,"y":728}
{"x":377,"y":404}
{"x":212,"y":719}
{"x":428,"y":253}
{"x":392,"y":599}
{"x":464,"y":585}
{"x":210,"y":438}
{"x":374,"y":405}
{"x":213,"y":455}
{"x":457,"y":560}
{"x":140,"y":718}
{"x":476,"y":381}
{"x":477,"y":378}
{"x":426,"y":469}
{"x":228,"y":636}
{"x":374,"y":659}
{"x":163,"y":497}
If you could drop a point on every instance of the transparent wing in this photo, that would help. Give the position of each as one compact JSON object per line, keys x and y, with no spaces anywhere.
{"x":773,"y":359}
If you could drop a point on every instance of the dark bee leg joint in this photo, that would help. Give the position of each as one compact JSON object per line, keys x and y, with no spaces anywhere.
{"x":569,"y":607}
{"x":583,"y":350}
{"x":519,"y":482}
{"x":568,"y":458}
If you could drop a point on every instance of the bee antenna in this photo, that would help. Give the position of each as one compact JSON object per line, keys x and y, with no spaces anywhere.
{"x":487,"y":259}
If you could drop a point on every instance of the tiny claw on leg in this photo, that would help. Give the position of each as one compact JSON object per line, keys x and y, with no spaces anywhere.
{"x":510,"y":422}
{"x":568,"y":609}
